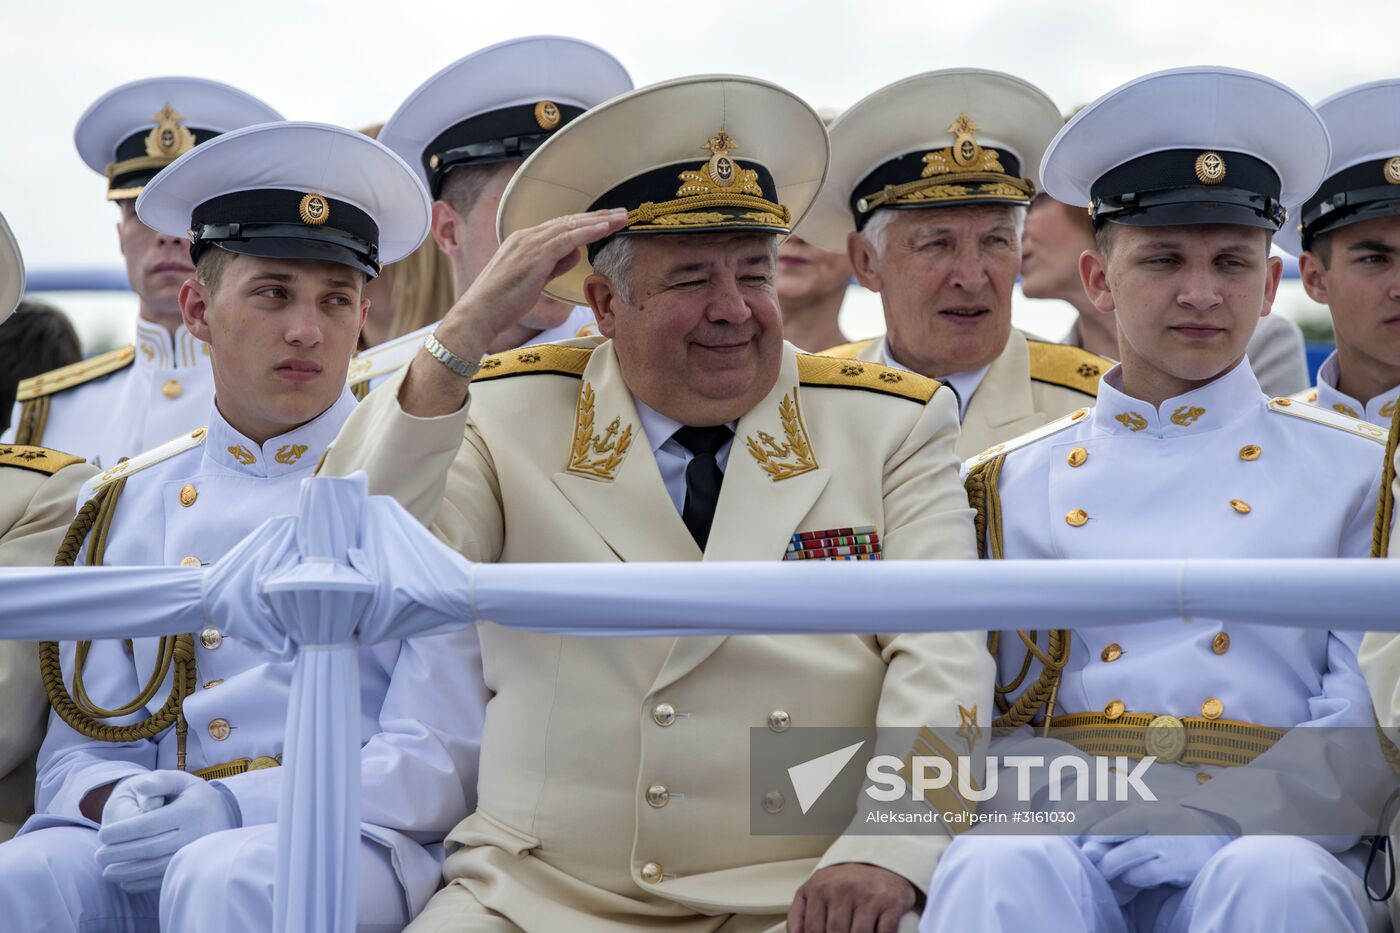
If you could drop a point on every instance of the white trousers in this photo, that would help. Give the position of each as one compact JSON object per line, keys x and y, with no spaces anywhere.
{"x":1275,"y":883}
{"x":50,"y":882}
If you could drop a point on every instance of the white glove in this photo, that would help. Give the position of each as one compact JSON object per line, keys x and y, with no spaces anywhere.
{"x":1133,"y":852}
{"x":152,"y":816}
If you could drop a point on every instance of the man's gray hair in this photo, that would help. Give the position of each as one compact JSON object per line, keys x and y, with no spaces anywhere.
{"x":614,"y":263}
{"x":879,"y":224}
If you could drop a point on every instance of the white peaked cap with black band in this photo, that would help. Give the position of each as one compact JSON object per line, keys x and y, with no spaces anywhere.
{"x":292,"y":191}
{"x":1202,"y":145}
{"x":702,"y":154}
{"x":11,"y":271}
{"x":501,"y":102}
{"x":957,"y":137}
{"x":134,"y":131}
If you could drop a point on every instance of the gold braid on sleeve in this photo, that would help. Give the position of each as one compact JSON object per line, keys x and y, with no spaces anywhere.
{"x":983,"y":495}
{"x":33,"y":419}
{"x":1385,"y":508}
{"x":92,"y":524}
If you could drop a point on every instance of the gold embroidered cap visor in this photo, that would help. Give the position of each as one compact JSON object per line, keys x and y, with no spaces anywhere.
{"x":702,"y":154}
{"x":501,"y":102}
{"x":941,"y":139}
{"x":1203,"y":145}
{"x":292,"y":191}
{"x":133,"y":131}
{"x":1363,"y":175}
{"x":11,"y":271}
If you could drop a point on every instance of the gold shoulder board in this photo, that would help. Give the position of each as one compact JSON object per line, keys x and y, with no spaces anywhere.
{"x":837,"y":373}
{"x":1070,"y":367}
{"x":38,"y":459}
{"x":75,"y":374}
{"x":1025,"y":440}
{"x":528,"y":361}
{"x":387,"y":357}
{"x":1333,"y":419}
{"x":151,"y":457}
{"x":848,"y":351}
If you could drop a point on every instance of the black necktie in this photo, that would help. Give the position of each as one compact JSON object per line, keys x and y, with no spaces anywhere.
{"x":702,"y":477}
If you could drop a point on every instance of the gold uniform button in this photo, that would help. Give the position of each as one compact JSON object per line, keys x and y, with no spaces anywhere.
{"x":1241,"y":506}
{"x":1076,"y":517}
{"x":1202,"y":777}
{"x":1114,"y":709}
{"x":651,"y":873}
{"x":774,"y":801}
{"x":172,"y":389}
{"x":1283,"y":402}
{"x":1212,"y":708}
{"x":211,"y":638}
{"x":1077,"y":456}
{"x":1220,"y":643}
{"x":191,"y":561}
{"x":779,"y":720}
{"x":658,"y":796}
{"x":213,"y":683}
{"x":188,"y":494}
{"x":1079,"y":413}
{"x":1250,"y":452}
{"x":219,"y":729}
{"x":664,"y":714}
{"x":1111,"y":652}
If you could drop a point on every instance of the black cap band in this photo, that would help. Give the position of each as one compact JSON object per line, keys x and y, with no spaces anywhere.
{"x":495,"y":136}
{"x":276,"y":223}
{"x":885,"y":186}
{"x":132,"y":165}
{"x":1189,"y":186}
{"x":1362,"y":192}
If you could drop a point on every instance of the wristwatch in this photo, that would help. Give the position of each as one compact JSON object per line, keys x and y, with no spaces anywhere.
{"x":449,"y":359}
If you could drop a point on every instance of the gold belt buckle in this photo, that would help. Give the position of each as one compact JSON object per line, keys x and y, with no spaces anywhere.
{"x":263,"y":762}
{"x":1165,"y":739}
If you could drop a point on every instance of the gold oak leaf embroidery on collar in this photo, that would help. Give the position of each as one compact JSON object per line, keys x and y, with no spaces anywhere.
{"x":793,"y":458}
{"x":591,"y":454}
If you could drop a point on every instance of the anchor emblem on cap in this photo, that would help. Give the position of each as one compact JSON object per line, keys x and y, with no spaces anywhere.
{"x":1210,"y":168}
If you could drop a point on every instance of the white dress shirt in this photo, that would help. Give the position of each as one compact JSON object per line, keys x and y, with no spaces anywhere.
{"x":964,"y":385}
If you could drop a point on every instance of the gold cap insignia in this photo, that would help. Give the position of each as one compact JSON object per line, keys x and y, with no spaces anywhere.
{"x":169,"y":139}
{"x":720,"y":175}
{"x":719,"y":182}
{"x":314,"y":210}
{"x":547,"y":114}
{"x":1210,"y":168}
{"x":1392,"y":170}
{"x":965,"y":155}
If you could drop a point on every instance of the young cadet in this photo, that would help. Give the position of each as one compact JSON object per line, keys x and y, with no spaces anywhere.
{"x":465,"y":131}
{"x":1185,"y":173}
{"x":613,"y":794}
{"x":1347,"y":240}
{"x":171,"y":811}
{"x":935,"y":228}
{"x":38,"y":489}
{"x":136,"y":397}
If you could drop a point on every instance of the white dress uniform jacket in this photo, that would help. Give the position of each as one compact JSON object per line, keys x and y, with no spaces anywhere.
{"x":120,"y":403}
{"x":1378,"y":411}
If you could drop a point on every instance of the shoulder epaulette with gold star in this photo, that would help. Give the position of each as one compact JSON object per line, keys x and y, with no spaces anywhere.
{"x":75,"y":374}
{"x":551,"y":358}
{"x":151,"y":457}
{"x":38,"y":459}
{"x":1025,"y":440}
{"x":848,"y":351}
{"x":1333,"y":419}
{"x":814,"y":370}
{"x":1066,"y":366}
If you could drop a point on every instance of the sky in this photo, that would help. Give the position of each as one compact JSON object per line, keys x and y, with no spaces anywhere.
{"x":352,"y":61}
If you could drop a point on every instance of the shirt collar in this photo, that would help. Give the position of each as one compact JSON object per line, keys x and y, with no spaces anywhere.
{"x":158,"y":348}
{"x":964,"y":385}
{"x":1208,"y":408}
{"x":1378,"y":410}
{"x":300,"y":449}
{"x":659,"y":427}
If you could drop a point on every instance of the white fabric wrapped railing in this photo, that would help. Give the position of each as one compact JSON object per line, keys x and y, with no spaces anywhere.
{"x":352,"y":569}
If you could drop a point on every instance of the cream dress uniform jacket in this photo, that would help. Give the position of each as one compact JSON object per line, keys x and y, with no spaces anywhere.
{"x":187,"y":504}
{"x":1030,"y":384}
{"x":545,"y":463}
{"x":1099,"y":485}
{"x":120,"y":403}
{"x":38,"y":492}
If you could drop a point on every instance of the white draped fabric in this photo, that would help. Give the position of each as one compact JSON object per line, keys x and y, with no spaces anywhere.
{"x":353,"y":569}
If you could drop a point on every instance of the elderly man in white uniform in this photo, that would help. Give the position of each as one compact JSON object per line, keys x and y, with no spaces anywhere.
{"x":169,"y":813}
{"x":1186,"y":173}
{"x":465,"y":131}
{"x":137,"y":397}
